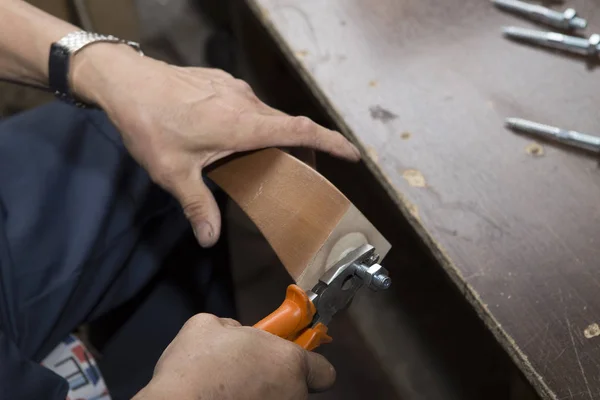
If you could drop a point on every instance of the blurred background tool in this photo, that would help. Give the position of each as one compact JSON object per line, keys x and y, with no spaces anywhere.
{"x":573,"y":44}
{"x":567,"y":19}
{"x":573,"y":138}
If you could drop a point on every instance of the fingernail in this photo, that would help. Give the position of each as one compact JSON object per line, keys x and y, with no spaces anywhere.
{"x":205,"y":233}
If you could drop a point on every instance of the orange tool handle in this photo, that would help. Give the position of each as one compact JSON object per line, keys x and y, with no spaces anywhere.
{"x":290,"y":320}
{"x":313,"y":337}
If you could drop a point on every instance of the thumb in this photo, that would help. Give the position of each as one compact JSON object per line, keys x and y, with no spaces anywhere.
{"x":200,"y":208}
{"x":321,"y":374}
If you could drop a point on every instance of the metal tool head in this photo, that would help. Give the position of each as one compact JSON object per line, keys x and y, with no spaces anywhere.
{"x":340,"y":283}
{"x":567,"y":19}
{"x":573,"y":138}
{"x":573,"y":44}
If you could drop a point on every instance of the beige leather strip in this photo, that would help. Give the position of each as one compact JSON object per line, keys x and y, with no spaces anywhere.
{"x":308,"y":222}
{"x":352,"y":231}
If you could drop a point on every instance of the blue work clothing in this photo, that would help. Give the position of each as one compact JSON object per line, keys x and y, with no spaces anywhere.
{"x":82,"y":230}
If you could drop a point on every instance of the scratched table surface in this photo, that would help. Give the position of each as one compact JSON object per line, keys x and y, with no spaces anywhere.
{"x":423,"y":87}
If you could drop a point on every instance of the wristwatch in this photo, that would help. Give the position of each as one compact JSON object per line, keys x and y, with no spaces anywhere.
{"x":59,"y":61}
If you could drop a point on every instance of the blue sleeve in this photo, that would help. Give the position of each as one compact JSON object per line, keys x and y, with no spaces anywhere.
{"x":22,"y":379}
{"x":82,"y":229}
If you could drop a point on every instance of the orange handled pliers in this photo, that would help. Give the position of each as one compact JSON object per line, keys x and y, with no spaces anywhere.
{"x":304,"y":315}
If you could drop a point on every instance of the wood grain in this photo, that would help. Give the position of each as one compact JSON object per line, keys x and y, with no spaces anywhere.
{"x":306,"y":220}
{"x":423,"y":86}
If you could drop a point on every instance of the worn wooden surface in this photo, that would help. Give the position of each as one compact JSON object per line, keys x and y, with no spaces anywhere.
{"x":423,"y":87}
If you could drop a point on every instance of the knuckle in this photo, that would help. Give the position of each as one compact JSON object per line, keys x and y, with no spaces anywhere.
{"x":221,"y":73}
{"x":243,"y":85}
{"x":200,"y":320}
{"x":225,"y":74}
{"x":230,"y":322}
{"x":194,"y":207}
{"x":302,"y":124}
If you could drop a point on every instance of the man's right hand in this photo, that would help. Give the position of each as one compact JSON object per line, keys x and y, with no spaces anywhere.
{"x":217,"y":358}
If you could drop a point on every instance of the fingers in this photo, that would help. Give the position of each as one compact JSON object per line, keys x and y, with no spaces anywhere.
{"x":320,"y":374}
{"x":201,"y":210}
{"x":300,"y":131}
{"x":270,"y":127}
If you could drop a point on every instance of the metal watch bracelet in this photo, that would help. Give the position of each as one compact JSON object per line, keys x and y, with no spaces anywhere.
{"x":59,"y":61}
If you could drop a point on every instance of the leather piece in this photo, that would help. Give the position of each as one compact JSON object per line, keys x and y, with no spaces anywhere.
{"x":307,"y":221}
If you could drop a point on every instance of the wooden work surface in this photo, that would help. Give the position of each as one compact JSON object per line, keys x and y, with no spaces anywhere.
{"x":423,"y":87}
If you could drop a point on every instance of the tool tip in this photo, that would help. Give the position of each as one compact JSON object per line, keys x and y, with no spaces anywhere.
{"x":512,"y":122}
{"x":386,"y":283}
{"x":509,"y":30}
{"x":579,"y":23}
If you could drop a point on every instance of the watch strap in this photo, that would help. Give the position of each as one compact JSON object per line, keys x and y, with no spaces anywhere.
{"x":59,"y":60}
{"x":58,"y":71}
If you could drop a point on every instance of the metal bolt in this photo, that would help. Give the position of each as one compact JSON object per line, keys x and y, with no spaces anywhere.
{"x":574,"y":44}
{"x":375,"y":276}
{"x":382,"y":282}
{"x":567,"y":19}
{"x":578,"y":139}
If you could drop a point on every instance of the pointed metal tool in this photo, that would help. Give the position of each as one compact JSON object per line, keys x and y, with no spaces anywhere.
{"x":567,"y":19}
{"x":573,"y":138}
{"x":573,"y":44}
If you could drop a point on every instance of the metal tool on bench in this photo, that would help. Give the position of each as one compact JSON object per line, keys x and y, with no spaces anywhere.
{"x":567,"y":19}
{"x":303,"y":316}
{"x":573,"y":44}
{"x":581,"y":140}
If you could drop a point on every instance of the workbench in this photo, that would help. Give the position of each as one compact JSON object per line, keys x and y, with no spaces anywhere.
{"x":423,"y":87}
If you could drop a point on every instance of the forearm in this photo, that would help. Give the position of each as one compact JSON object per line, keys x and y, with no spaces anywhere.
{"x":26,"y":34}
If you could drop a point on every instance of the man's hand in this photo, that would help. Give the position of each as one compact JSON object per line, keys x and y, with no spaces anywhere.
{"x":176,"y":121}
{"x":213,"y":358}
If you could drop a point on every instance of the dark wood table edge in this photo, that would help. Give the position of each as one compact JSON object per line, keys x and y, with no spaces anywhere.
{"x":409,"y":210}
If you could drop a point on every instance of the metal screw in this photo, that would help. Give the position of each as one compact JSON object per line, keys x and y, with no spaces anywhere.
{"x":574,"y":44}
{"x":581,"y":140}
{"x":567,"y":19}
{"x":382,"y":281}
{"x":375,"y":276}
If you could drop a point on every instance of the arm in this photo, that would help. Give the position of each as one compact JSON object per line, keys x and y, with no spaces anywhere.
{"x":174,"y":121}
{"x":26,"y":34}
